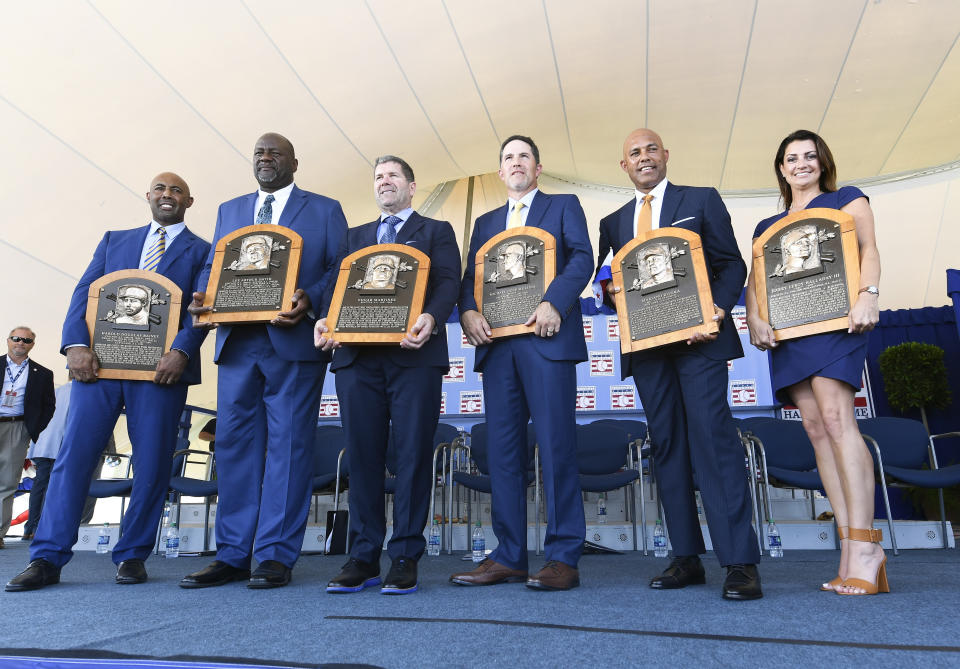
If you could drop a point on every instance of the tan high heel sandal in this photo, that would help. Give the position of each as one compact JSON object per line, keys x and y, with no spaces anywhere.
{"x":831,"y":585}
{"x":881,"y":584}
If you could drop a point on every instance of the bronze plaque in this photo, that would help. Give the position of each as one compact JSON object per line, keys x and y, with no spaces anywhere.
{"x":133,"y":316}
{"x":806,"y":268}
{"x":254,"y":275}
{"x":664,"y":289}
{"x":513,"y":270}
{"x":379,"y":294}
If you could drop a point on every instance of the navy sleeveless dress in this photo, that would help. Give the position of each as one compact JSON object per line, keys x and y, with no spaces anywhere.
{"x":836,"y":355}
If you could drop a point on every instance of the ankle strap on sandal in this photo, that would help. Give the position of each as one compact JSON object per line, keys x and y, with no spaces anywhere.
{"x":842,"y":532}
{"x":871,"y":535}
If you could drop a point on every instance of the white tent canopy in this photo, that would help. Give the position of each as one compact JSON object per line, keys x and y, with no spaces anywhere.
{"x":97,"y":97}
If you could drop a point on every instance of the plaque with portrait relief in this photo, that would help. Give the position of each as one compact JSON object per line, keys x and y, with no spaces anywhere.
{"x":379,"y":294}
{"x":664,"y":286}
{"x":254,"y":275}
{"x":513,"y":271}
{"x":133,"y":316}
{"x":806,"y":270}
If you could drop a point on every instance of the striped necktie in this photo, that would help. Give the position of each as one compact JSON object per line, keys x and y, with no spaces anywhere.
{"x":265,"y":215}
{"x":156,"y":251}
{"x":389,"y":235}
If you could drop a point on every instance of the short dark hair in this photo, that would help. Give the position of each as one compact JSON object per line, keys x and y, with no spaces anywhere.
{"x":404,"y":165}
{"x":828,"y":168}
{"x":522,"y":138}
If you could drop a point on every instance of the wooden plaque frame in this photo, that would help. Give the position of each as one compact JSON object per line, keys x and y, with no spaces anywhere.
{"x":220,"y":259}
{"x":420,"y":279}
{"x":701,"y":277}
{"x":549,"y":271}
{"x":175,"y":300}
{"x":851,"y":263}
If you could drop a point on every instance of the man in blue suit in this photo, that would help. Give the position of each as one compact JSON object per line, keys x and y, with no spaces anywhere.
{"x":393,"y":391}
{"x":683,"y":386}
{"x":153,"y":408}
{"x":268,"y":385}
{"x":532,"y":375}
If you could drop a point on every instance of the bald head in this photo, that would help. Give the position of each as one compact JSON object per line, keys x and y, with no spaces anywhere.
{"x":644,"y":159}
{"x":169,"y":198}
{"x":274,"y":162}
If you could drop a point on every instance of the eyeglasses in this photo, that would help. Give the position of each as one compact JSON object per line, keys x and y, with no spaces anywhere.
{"x":25,"y":340}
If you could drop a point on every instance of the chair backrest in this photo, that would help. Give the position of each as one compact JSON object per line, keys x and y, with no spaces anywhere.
{"x":632,"y":428}
{"x":746,"y":424}
{"x":601,"y":448}
{"x":478,"y":447}
{"x":329,"y":440}
{"x":903,"y":442}
{"x":445,"y":434}
{"x":785,"y":444}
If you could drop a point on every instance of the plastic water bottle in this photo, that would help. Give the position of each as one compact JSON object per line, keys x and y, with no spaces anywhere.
{"x":103,"y":540}
{"x":601,"y":509}
{"x":659,"y":540}
{"x":433,"y":542}
{"x":479,"y":543}
{"x":173,"y":541}
{"x":773,"y":540}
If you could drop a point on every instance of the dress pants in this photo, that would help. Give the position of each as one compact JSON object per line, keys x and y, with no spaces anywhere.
{"x":519,"y":383}
{"x":376,"y":395}
{"x":267,"y":410}
{"x":695,"y":440}
{"x":153,"y":421}
{"x":14,"y":441}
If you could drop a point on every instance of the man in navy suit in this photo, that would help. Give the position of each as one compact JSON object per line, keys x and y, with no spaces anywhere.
{"x":268,"y":384}
{"x":683,"y":386}
{"x":532,"y":375}
{"x":153,"y":408}
{"x":393,"y":391}
{"x":27,"y":404}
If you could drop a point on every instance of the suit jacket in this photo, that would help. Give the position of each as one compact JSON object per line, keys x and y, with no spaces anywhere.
{"x":438,"y":241}
{"x":320,"y":221}
{"x":39,"y":400}
{"x":182,"y":263}
{"x":562,"y":216}
{"x":702,"y":211}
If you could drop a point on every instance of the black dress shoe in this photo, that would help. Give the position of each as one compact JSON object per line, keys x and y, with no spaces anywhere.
{"x":215,"y":573}
{"x":355,"y":576}
{"x":131,"y":571}
{"x":270,"y":574}
{"x":38,"y":574}
{"x":742,"y":582}
{"x":402,"y":577}
{"x":683,"y":571}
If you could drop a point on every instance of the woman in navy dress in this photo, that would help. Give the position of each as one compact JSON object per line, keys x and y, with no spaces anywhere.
{"x":821,"y":373}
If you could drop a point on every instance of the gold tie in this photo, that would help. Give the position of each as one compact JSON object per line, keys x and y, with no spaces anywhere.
{"x":515,"y":220}
{"x":645,"y":217}
{"x":155,"y":254}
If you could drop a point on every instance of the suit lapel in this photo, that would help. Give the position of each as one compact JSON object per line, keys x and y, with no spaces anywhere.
{"x":671,"y":200}
{"x":183,"y":241}
{"x":625,"y":225}
{"x":132,"y":246}
{"x":295,"y":203}
{"x":538,"y":208}
{"x":410,"y":227}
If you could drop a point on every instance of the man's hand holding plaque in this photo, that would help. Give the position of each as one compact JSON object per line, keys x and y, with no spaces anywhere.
{"x":513,"y":271}
{"x":662,"y":291}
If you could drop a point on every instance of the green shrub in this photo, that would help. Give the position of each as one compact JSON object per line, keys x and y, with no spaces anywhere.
{"x":915,"y":376}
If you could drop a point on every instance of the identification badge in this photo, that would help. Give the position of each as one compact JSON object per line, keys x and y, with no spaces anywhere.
{"x":8,"y":398}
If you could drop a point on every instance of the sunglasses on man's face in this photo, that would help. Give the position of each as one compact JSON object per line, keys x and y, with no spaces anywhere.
{"x":25,"y":340}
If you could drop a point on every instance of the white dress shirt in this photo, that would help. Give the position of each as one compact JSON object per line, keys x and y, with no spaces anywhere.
{"x":280,"y":198}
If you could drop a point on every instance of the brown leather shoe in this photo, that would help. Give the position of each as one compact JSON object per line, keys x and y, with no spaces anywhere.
{"x":555,"y":576}
{"x":489,"y":572}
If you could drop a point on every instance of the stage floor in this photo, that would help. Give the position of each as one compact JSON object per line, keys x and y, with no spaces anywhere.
{"x":613,"y":619}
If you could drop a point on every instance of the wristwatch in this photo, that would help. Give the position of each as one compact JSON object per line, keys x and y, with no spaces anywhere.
{"x":873,"y":290}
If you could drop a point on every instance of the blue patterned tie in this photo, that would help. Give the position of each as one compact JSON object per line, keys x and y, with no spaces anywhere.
{"x":156,"y":251}
{"x":266,"y":211}
{"x":389,"y":235}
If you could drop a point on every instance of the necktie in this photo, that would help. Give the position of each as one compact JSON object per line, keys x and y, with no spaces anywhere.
{"x":156,"y":251}
{"x":645,"y":217}
{"x":266,"y":211}
{"x":389,"y":235}
{"x":515,"y":220}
